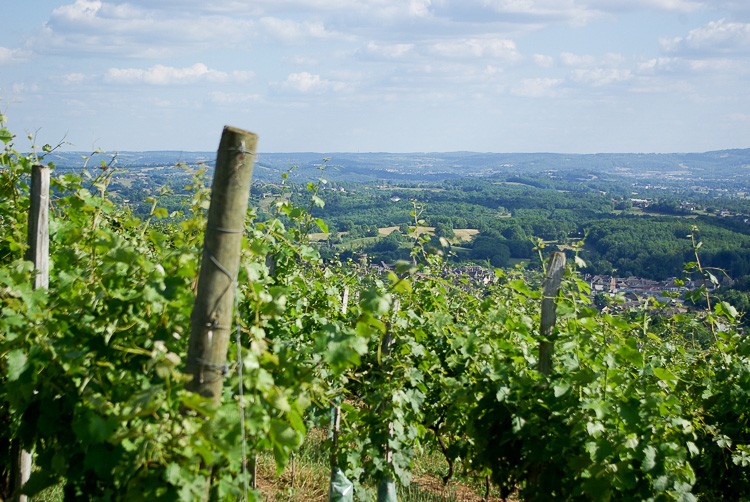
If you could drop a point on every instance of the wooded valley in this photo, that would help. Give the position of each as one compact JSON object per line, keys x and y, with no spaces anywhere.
{"x":413,"y":358}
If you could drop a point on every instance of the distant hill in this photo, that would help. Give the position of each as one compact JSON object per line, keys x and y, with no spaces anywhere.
{"x":376,"y":166}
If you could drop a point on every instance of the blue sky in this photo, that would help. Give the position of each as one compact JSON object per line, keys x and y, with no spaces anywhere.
{"x":380,"y":75}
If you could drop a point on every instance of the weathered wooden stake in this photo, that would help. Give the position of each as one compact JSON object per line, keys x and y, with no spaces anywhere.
{"x":38,"y":232}
{"x":336,"y":423}
{"x":336,"y":409}
{"x":38,"y":254}
{"x":211,"y":319}
{"x":386,"y":485}
{"x":550,"y":288}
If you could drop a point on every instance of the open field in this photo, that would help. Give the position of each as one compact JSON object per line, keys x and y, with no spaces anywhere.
{"x":464,"y":234}
{"x":387,"y":230}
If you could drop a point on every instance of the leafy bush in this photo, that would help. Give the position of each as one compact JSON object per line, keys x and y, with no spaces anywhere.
{"x":635,"y":407}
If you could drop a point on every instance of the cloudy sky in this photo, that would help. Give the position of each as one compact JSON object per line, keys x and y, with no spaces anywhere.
{"x":380,"y":75}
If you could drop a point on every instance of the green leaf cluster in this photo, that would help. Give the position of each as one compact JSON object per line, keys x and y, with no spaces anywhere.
{"x":637,"y":406}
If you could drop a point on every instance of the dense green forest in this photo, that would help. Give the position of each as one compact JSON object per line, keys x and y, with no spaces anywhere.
{"x":512,"y":217}
{"x":635,"y":405}
{"x":509,"y":215}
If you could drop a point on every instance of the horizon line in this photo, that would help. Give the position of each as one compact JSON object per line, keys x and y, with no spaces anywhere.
{"x":386,"y":152}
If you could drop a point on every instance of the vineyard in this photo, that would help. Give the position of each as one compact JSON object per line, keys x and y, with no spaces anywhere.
{"x":633,"y":406}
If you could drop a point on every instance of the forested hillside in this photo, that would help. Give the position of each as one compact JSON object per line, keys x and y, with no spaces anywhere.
{"x":631,"y":212}
{"x":632,"y":406}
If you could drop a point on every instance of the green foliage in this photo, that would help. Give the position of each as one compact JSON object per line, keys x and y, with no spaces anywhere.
{"x":490,"y":249}
{"x":636,"y":407}
{"x":91,"y":369}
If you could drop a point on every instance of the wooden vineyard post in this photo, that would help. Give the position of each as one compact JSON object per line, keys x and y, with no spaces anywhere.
{"x":211,"y":320}
{"x":550,"y":288}
{"x":340,"y":489}
{"x":386,"y":485}
{"x":38,"y":233}
{"x":336,"y":409}
{"x":38,"y":254}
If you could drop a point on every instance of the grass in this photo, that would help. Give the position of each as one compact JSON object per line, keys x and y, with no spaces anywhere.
{"x":311,"y":478}
{"x":306,"y":479}
{"x":387,"y":230}
{"x":464,"y":234}
{"x":52,"y":494}
{"x":319,"y":236}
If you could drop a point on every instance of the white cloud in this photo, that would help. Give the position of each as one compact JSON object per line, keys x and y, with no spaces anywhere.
{"x":492,"y":70}
{"x":543,"y":61}
{"x":662,"y":85}
{"x":716,"y":38}
{"x":538,"y":87}
{"x":520,"y":13}
{"x":537,"y":13}
{"x":81,"y":10}
{"x":598,"y":77}
{"x":717,"y":48}
{"x":659,"y":65}
{"x":97,"y":27}
{"x":387,"y":51}
{"x":367,"y":8}
{"x":490,"y":47}
{"x":460,"y":57}
{"x":599,"y":71}
{"x":690,"y":67}
{"x":570,"y":59}
{"x":419,"y":8}
{"x":12,"y":55}
{"x":345,"y":10}
{"x":302,"y":60}
{"x":631,"y":5}
{"x":718,"y":66}
{"x":23,"y":88}
{"x":73,"y":78}
{"x":234,"y":98}
{"x":524,"y":12}
{"x":167,"y":75}
{"x":675,"y":5}
{"x":310,"y":83}
{"x":289,"y":30}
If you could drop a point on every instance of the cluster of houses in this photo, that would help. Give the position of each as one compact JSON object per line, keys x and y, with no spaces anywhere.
{"x":690,"y":207}
{"x":636,"y":290}
{"x":476,"y":274}
{"x":635,"y":285}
